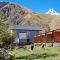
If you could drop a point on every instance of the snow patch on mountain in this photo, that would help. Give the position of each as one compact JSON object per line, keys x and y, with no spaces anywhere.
{"x":52,"y":12}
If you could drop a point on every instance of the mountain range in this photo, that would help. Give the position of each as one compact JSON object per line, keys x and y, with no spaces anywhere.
{"x":17,"y":14}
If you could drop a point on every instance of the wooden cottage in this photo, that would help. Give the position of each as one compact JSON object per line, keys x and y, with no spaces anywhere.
{"x":25,"y":33}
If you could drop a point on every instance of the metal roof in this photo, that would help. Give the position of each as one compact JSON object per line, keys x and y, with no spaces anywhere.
{"x":24,"y":27}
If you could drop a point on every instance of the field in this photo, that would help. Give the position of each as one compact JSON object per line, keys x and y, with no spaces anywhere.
{"x":38,"y":53}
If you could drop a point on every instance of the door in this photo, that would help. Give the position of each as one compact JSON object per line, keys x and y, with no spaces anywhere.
{"x":23,"y":37}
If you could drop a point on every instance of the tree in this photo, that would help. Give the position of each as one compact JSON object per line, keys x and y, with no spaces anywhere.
{"x":5,"y":34}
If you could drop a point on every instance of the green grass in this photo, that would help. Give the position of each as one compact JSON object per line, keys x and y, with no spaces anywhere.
{"x":49,"y":53}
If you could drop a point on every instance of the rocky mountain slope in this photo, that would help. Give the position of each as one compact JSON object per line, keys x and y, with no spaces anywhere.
{"x":17,"y":14}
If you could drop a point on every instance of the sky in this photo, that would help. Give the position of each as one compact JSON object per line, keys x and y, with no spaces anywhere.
{"x":39,"y":6}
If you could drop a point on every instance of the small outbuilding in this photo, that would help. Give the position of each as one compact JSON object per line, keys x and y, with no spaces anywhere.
{"x":25,"y":33}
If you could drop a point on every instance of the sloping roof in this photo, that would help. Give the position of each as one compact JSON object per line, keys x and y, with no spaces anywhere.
{"x":24,"y":27}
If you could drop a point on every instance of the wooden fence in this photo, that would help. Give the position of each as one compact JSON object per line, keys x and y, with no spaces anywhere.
{"x":49,"y":37}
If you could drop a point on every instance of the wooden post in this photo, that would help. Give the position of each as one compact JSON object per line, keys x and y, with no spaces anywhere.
{"x":53,"y":38}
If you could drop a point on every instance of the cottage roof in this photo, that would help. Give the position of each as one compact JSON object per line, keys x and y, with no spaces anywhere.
{"x":24,"y":27}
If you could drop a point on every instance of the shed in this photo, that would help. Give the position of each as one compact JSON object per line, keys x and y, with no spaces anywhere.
{"x":25,"y":33}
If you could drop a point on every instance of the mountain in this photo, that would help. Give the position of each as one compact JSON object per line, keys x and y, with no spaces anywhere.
{"x":2,"y":4}
{"x":17,"y":14}
{"x":52,"y":12}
